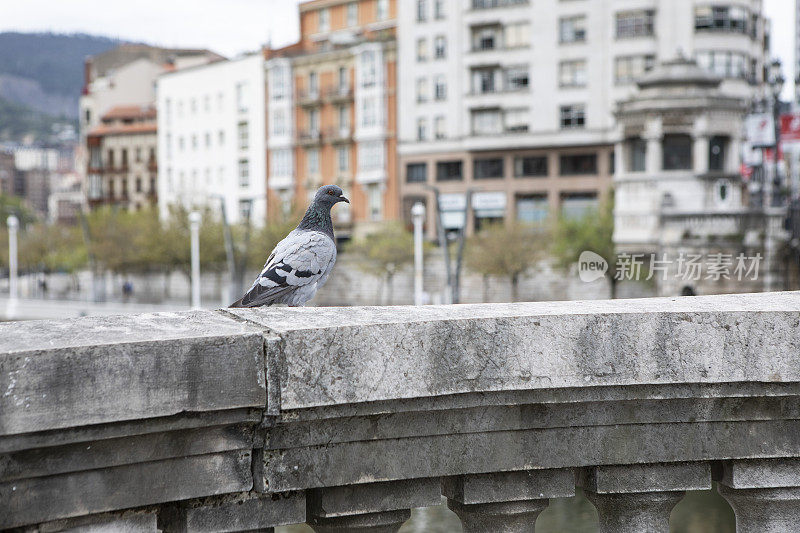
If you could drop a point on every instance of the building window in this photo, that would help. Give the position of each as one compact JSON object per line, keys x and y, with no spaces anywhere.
{"x":638,"y":23}
{"x":573,"y":116}
{"x":343,"y":158}
{"x":517,"y":120}
{"x":422,"y":49}
{"x":438,"y":9}
{"x":577,"y":164}
{"x":193,"y":106}
{"x":422,"y":8}
{"x":716,"y":153}
{"x":124,"y":158}
{"x":440,"y":87}
{"x":352,"y":14}
{"x":532,"y":209}
{"x":313,"y":85}
{"x":221,"y":138}
{"x":518,"y":35}
{"x":439,"y":128}
{"x":207,"y":139}
{"x":313,"y":121}
{"x":312,"y":156}
{"x":138,"y":183}
{"x":279,"y":84}
{"x":152,"y":184}
{"x":241,"y":96}
{"x":677,"y":152}
{"x":244,"y":173}
{"x":281,"y":162}
{"x":721,"y":18}
{"x":628,"y":68}
{"x":383,"y":9}
{"x":638,"y":154}
{"x":375,"y":202}
{"x":572,"y":73}
{"x":369,"y":109}
{"x":324,"y":20}
{"x":279,"y":122}
{"x":370,"y":155}
{"x":422,"y":129}
{"x":416,"y":172}
{"x":575,"y":206}
{"x":369,"y":68}
{"x":487,"y":122}
{"x":344,"y":82}
{"x":343,"y":113}
{"x":516,"y":78}
{"x":488,"y":168}
{"x":485,"y":38}
{"x":726,"y":64}
{"x":244,"y":137}
{"x":530,"y":166}
{"x":448,"y":171}
{"x":572,"y":29}
{"x":440,"y":47}
{"x":483,"y":80}
{"x":422,"y":89}
{"x":194,"y":142}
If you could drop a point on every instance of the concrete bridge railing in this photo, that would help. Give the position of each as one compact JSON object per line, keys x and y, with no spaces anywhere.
{"x":346,"y":418}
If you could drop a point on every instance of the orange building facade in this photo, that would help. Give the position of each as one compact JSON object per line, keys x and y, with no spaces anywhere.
{"x":331,"y":112}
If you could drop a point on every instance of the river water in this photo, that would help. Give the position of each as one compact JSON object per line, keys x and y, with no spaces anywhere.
{"x":698,"y":512}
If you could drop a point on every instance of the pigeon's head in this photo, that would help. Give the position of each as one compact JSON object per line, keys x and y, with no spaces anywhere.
{"x":328,"y":195}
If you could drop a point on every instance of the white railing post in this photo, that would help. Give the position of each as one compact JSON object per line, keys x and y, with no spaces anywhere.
{"x":13,"y":280}
{"x":418,"y":216}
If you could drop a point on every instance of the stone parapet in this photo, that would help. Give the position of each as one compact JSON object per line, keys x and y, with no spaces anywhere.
{"x":346,"y":418}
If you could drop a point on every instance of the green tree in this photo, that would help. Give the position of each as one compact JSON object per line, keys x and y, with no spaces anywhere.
{"x":51,"y":248}
{"x":594,"y":232}
{"x":384,"y":252}
{"x":175,"y":248}
{"x":506,"y":251}
{"x":12,"y":205}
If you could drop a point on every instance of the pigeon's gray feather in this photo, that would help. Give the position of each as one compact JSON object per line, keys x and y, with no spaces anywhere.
{"x":296,"y":268}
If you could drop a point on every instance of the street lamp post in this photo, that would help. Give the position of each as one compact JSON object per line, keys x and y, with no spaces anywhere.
{"x":13,"y":291}
{"x":194,"y":225}
{"x":417,"y":217}
{"x":775,"y":83}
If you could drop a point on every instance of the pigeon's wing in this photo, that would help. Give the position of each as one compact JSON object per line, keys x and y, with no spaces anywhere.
{"x":302,"y":258}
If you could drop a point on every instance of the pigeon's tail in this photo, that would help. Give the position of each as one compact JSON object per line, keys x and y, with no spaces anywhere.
{"x":237,"y":303}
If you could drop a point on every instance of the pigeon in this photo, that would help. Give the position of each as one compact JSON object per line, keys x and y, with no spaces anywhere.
{"x":301,"y":262}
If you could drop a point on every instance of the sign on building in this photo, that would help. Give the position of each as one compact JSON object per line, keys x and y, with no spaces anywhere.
{"x":760,"y":129}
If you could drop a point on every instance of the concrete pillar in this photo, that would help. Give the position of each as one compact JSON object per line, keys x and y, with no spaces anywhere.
{"x":635,"y":498}
{"x":700,"y":145}
{"x":653,"y":134}
{"x":370,"y":507}
{"x":764,"y":494}
{"x":506,"y":502}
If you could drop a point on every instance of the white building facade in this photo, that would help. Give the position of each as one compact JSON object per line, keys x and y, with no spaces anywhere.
{"x":280,"y":133}
{"x":212,"y":138}
{"x":518,"y":89}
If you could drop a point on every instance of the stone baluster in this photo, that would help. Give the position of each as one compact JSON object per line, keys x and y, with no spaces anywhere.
{"x":635,"y":498}
{"x":370,"y":507}
{"x":764,"y":494}
{"x":506,"y":502}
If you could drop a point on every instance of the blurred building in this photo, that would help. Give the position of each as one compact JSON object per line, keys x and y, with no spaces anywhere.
{"x":125,"y":77}
{"x":8,"y":172}
{"x":333,"y":111}
{"x":122,"y":167}
{"x":514,"y":98}
{"x":212,"y":137}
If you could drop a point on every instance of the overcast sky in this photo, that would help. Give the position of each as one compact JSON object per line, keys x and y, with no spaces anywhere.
{"x":233,"y":26}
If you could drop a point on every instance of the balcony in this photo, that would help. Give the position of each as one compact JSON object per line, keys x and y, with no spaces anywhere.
{"x":309,"y":137}
{"x":308,"y":98}
{"x":208,"y":421}
{"x":339,"y":135}
{"x":337,"y":94}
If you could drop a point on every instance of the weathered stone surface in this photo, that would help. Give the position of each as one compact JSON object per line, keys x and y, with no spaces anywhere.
{"x":761,"y":473}
{"x":348,"y":355}
{"x":625,"y":479}
{"x":243,"y":513}
{"x":509,"y":486}
{"x":129,"y":522}
{"x":386,"y":522}
{"x":40,"y":499}
{"x":764,"y":510}
{"x":84,"y":371}
{"x":635,"y":513}
{"x":500,"y":517}
{"x":369,"y":498}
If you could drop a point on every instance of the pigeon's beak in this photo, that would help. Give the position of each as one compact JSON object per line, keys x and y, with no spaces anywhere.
{"x":343,"y":199}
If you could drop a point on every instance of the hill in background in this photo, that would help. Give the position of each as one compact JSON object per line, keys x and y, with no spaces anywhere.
{"x":41,"y":77}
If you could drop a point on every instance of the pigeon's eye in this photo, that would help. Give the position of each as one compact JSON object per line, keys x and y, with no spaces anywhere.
{"x":332,"y":193}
